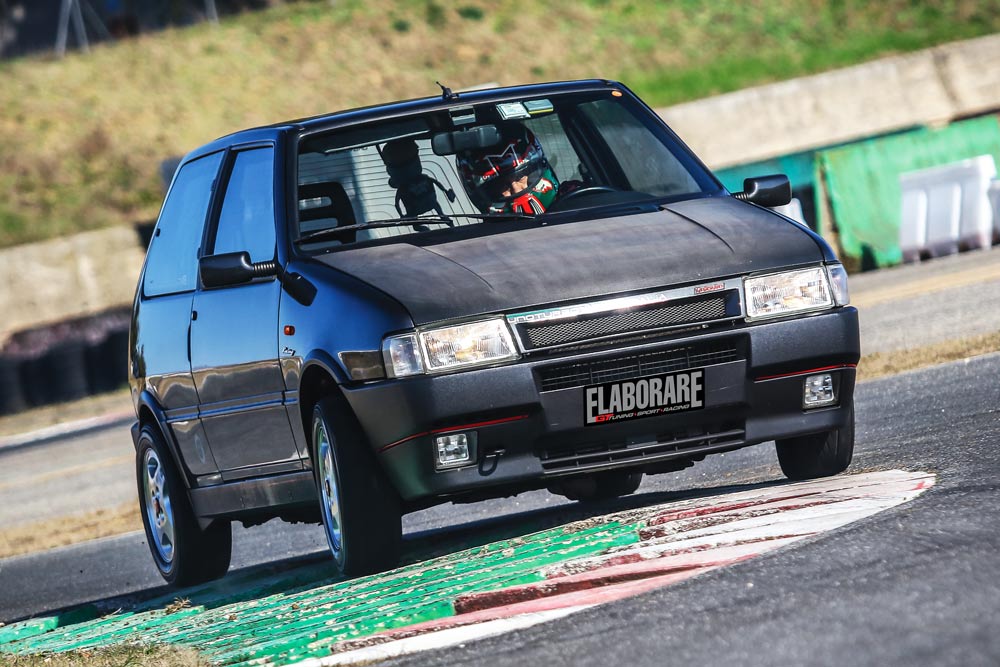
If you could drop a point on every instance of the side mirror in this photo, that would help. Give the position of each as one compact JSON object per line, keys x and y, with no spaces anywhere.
{"x":774,"y":190}
{"x":231,"y":268}
{"x":235,"y":268}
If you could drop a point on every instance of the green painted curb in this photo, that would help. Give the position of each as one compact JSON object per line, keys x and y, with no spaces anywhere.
{"x":276,"y":619}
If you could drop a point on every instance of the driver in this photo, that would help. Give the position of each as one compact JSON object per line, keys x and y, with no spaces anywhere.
{"x":511,"y":177}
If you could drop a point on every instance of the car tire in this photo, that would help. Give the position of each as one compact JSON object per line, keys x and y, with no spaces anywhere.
{"x":819,"y":454}
{"x":361,"y":511}
{"x":605,"y":485}
{"x":184,"y":553}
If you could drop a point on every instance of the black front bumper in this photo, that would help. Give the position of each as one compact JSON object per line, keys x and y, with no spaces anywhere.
{"x":527,"y":436}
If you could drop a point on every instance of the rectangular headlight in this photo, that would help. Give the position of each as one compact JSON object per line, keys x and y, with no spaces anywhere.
{"x":475,"y":343}
{"x":786,"y":293}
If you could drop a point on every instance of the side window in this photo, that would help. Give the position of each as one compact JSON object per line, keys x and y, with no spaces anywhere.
{"x":247,"y":218}
{"x":172,"y":260}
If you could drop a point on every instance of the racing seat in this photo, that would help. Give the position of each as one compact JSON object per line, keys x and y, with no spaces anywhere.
{"x":325,"y":205}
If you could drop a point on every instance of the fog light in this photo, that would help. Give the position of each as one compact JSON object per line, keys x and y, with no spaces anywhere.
{"x":818,"y":391}
{"x":454,"y":449}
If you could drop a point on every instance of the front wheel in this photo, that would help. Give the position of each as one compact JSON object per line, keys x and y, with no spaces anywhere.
{"x":360,"y":509}
{"x":819,"y":454}
{"x":184,"y":553}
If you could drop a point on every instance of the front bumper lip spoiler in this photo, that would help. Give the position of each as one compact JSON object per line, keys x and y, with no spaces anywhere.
{"x":836,"y":367}
{"x":449,"y":429}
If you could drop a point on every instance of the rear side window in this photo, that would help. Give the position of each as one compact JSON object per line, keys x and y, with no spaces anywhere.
{"x":247,"y":218}
{"x":172,"y":260}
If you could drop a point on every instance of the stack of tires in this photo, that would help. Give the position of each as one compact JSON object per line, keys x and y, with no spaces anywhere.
{"x":11,"y":397}
{"x":64,"y":361}
{"x":106,"y":356}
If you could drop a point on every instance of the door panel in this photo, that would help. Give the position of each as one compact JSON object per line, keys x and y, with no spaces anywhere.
{"x":234,"y":360}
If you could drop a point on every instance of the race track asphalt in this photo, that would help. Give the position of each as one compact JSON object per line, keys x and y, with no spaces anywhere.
{"x":917,"y":584}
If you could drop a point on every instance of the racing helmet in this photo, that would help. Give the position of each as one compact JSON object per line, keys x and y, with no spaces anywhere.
{"x":488,"y":173}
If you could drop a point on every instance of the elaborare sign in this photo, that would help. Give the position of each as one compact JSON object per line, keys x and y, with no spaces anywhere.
{"x":644,"y":397}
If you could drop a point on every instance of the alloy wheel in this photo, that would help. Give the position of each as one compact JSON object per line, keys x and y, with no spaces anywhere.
{"x":327,"y":475}
{"x":159,"y":511}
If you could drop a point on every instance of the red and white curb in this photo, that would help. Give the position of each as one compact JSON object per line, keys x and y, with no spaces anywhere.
{"x":680,"y":540}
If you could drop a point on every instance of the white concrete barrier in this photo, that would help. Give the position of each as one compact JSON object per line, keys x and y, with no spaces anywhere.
{"x":928,"y":87}
{"x":947,"y":208}
{"x":68,"y":277}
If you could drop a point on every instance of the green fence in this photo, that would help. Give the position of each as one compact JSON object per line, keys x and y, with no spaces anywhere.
{"x":861,"y":182}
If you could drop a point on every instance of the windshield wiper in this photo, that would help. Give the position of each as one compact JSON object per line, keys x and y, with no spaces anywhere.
{"x":334,"y":232}
{"x":494,"y":216}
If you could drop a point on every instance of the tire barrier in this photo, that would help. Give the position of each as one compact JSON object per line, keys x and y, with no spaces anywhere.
{"x":64,"y":362}
{"x":106,"y":362}
{"x":11,"y":397}
{"x":60,"y":374}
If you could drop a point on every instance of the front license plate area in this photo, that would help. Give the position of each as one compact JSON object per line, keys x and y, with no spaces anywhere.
{"x":644,"y":397}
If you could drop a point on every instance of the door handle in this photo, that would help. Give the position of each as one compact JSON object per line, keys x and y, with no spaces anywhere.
{"x":194,"y":315}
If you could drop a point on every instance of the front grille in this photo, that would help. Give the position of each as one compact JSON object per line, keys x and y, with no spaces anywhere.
{"x":598,"y":371}
{"x":675,"y":314}
{"x":687,"y":441}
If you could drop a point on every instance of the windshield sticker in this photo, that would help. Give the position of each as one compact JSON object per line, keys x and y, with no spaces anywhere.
{"x":512,"y":110}
{"x":538,"y":107}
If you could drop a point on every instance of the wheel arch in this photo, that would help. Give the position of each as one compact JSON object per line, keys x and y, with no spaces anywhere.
{"x":321,"y":377}
{"x":151,"y":414}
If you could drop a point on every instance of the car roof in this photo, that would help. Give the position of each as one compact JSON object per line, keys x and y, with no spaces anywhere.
{"x":377,"y":111}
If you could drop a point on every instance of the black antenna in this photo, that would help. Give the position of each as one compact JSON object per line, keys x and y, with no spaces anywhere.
{"x":446,"y":92}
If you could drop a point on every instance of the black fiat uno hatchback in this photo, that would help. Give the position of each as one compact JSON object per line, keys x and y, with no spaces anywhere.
{"x":349,"y":317}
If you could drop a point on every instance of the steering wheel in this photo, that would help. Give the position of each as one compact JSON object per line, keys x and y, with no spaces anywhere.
{"x":591,"y":189}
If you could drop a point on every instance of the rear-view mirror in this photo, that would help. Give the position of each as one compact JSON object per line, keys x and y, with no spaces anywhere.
{"x":475,"y":138}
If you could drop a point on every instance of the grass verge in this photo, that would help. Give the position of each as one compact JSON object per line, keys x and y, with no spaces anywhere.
{"x":115,"y":656}
{"x":881,"y":364}
{"x":70,"y":529}
{"x":81,"y":139}
{"x":51,"y":415}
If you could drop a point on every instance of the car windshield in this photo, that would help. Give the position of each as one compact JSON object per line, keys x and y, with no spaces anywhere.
{"x":473,"y":163}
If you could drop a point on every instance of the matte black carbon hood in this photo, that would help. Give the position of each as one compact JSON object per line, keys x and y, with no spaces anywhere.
{"x":691,"y":241}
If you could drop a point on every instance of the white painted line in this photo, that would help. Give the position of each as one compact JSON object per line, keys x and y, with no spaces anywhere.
{"x":438,"y":639}
{"x":65,"y":430}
